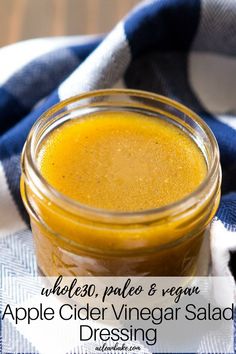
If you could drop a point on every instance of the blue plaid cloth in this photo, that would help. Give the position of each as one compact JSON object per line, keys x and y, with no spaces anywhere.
{"x":184,"y":49}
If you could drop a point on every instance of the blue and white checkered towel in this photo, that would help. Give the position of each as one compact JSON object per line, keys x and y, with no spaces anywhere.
{"x":185,"y":49}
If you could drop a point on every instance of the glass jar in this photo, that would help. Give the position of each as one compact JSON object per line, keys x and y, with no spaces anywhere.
{"x":76,"y":240}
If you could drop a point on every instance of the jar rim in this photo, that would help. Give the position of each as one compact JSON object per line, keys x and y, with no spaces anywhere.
{"x":75,"y":207}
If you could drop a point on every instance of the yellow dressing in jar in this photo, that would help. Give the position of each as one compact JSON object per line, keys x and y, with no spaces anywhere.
{"x":120,"y":182}
{"x":122,"y":161}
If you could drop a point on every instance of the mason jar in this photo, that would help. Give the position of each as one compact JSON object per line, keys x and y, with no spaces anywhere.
{"x":77,"y":240}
